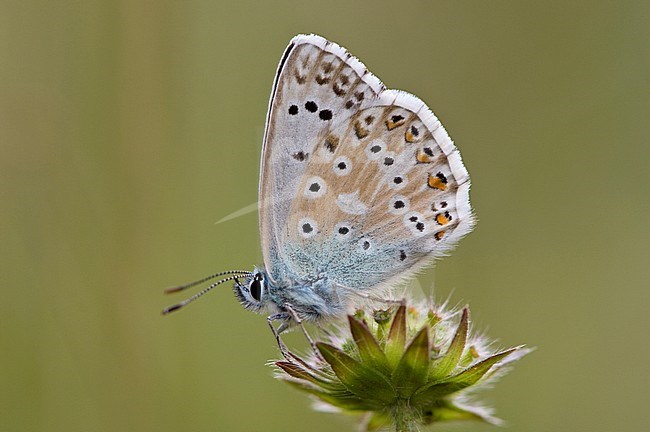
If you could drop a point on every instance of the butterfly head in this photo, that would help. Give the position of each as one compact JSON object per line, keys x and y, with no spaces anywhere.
{"x":251,"y":288}
{"x":253,"y":291}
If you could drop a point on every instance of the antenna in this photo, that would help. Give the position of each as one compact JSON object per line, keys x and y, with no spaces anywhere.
{"x":205,"y":279}
{"x":177,"y":306}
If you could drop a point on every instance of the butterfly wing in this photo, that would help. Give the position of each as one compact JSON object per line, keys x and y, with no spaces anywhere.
{"x":311,"y":77}
{"x":358,"y":182}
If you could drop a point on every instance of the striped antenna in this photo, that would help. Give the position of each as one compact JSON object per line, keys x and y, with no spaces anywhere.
{"x":205,"y":279}
{"x":200,"y":293}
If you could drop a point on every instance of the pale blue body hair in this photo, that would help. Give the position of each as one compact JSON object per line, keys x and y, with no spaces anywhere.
{"x":320,"y":279}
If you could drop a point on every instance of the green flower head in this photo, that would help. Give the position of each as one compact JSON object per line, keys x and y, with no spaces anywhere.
{"x":401,"y":368}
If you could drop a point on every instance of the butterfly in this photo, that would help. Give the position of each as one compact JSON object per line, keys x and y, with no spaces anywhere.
{"x":360,"y":187}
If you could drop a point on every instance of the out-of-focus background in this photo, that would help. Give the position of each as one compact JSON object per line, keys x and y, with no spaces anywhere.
{"x":127,"y":128}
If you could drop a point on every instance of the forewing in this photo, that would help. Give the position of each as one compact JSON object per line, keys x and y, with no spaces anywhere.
{"x":315,"y":79}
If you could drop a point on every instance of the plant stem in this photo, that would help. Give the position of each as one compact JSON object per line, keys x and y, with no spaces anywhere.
{"x":403,"y":418}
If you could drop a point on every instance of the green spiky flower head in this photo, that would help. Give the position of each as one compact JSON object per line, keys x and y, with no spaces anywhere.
{"x":401,"y":368}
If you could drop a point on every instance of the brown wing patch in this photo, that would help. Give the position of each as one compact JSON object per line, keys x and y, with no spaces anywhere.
{"x":390,"y":184}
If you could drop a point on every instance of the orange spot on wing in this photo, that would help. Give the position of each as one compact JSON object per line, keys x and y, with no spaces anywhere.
{"x":439,"y":235}
{"x":395,"y":121}
{"x":442,"y":219}
{"x":408,"y":136}
{"x":412,"y":134}
{"x":436,"y":183}
{"x":423,"y":157}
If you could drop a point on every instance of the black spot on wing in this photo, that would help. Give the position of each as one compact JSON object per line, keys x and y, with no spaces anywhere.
{"x":325,"y":114}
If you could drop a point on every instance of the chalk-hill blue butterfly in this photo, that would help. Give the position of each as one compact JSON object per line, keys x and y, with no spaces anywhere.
{"x":360,"y":186}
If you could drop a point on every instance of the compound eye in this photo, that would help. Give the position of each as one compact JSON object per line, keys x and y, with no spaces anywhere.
{"x":256,"y":289}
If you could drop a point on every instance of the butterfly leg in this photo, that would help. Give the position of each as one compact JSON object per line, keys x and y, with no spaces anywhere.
{"x":276,"y":332}
{"x":298,"y":321}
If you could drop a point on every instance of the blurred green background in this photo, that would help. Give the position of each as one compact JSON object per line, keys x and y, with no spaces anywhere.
{"x":127,"y":128}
